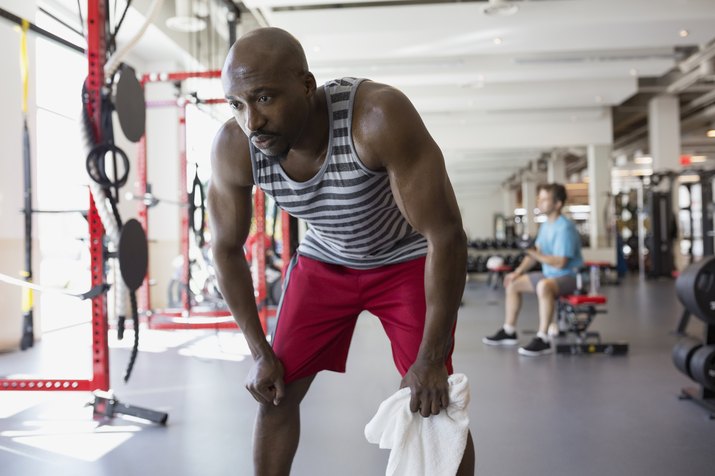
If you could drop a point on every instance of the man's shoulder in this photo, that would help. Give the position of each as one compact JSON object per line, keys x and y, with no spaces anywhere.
{"x":230,"y":138}
{"x":564,"y":222}
{"x":230,"y":154}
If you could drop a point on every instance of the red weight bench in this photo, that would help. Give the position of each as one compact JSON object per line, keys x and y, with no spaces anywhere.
{"x":574,"y":315}
{"x":604,"y":267}
{"x":495,"y":278}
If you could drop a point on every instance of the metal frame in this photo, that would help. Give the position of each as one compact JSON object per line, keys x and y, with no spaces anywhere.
{"x":186,"y":317}
{"x":100,"y":347}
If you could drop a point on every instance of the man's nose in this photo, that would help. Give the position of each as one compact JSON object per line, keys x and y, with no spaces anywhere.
{"x":254,"y":120}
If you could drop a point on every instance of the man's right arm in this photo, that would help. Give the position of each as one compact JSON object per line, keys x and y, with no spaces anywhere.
{"x":230,"y":208}
{"x":526,"y":264}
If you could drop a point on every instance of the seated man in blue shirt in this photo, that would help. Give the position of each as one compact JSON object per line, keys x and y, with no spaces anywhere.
{"x":558,"y":249}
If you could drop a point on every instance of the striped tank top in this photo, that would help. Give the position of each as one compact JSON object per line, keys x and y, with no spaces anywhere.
{"x":352,"y":216}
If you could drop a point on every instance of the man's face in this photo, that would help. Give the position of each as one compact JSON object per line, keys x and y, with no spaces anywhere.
{"x":271,"y":107}
{"x":545,"y":202}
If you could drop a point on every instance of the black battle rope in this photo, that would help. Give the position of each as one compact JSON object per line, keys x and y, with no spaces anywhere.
{"x":135,"y":347}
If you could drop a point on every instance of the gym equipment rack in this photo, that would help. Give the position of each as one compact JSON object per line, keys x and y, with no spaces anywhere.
{"x":105,"y":405}
{"x":186,"y":317}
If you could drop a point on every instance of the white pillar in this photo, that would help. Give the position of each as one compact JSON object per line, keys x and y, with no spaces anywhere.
{"x":664,"y":144}
{"x":508,"y":201}
{"x":556,"y":168}
{"x":528,"y":202}
{"x":664,"y":132}
{"x":599,"y":189}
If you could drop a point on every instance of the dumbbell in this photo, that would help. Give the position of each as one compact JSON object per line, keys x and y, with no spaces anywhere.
{"x":702,"y":366}
{"x":683,"y":352}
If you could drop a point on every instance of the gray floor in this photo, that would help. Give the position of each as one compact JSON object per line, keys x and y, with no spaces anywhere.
{"x":555,"y":415}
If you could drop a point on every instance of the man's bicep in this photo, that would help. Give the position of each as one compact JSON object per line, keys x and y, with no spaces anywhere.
{"x":425,"y":194}
{"x":230,"y":211}
{"x":419,"y":178}
{"x":229,"y":195}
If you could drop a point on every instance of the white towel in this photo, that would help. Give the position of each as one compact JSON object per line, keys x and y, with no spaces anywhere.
{"x":421,"y":446}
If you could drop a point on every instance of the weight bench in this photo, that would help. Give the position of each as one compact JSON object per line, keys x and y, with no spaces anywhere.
{"x":574,"y":314}
{"x":495,"y":277}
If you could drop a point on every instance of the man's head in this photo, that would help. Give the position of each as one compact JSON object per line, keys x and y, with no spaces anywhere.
{"x":551,"y":198}
{"x":268,"y":85}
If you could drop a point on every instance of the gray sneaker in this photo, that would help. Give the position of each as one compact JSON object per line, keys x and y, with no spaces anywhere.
{"x":501,"y":338}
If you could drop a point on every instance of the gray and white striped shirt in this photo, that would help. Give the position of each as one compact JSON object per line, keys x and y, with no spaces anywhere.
{"x":352,"y":215}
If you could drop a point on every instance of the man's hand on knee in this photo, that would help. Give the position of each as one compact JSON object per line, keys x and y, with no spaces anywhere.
{"x":429,"y":387}
{"x":265,"y":381}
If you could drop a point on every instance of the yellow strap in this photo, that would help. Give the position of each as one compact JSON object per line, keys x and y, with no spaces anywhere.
{"x":27,"y":300}
{"x":24,"y":64}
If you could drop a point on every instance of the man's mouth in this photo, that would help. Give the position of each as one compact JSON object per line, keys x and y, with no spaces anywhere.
{"x":262,"y":141}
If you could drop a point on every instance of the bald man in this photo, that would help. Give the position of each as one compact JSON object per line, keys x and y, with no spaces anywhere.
{"x":353,"y":159}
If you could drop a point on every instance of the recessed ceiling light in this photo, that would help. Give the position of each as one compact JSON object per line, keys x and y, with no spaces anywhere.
{"x":500,"y":7}
{"x":710,"y":133}
{"x":643,"y":160}
{"x":184,"y":19}
{"x":683,"y":33}
{"x":186,"y":24}
{"x":598,"y":99}
{"x":633,"y":72}
{"x":498,"y":41}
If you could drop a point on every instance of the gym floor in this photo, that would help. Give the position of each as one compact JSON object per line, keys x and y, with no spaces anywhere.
{"x":552,"y":415}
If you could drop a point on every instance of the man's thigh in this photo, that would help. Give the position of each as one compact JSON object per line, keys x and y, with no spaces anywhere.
{"x":565,"y":284}
{"x":396,"y":295}
{"x":316,"y":318}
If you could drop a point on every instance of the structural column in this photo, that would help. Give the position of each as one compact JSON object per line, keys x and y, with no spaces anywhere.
{"x":599,"y":191}
{"x":528,"y":199}
{"x":556,"y":168}
{"x":664,"y":145}
{"x":508,"y":200}
{"x":664,"y":132}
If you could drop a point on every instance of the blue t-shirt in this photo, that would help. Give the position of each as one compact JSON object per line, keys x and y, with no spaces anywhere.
{"x":560,"y":238}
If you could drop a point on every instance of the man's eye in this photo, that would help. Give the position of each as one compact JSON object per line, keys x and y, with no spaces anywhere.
{"x":234,"y":104}
{"x":263,"y":99}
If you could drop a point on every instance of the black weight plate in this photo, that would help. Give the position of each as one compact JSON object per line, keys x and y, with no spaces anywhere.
{"x":130,"y":105}
{"x":702,"y":366}
{"x":696,"y":289}
{"x":682,"y":353}
{"x":133,"y":254}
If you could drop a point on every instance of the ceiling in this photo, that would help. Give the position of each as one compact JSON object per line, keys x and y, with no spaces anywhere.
{"x":498,"y":92}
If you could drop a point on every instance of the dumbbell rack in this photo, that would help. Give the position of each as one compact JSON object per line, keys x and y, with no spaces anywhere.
{"x":702,"y":395}
{"x":695,"y":288}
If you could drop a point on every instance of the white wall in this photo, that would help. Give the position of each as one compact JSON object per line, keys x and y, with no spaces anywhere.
{"x":11,"y":169}
{"x":11,"y":198}
{"x":478,"y":211}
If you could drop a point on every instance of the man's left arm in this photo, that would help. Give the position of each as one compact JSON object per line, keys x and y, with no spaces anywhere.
{"x":392,"y":131}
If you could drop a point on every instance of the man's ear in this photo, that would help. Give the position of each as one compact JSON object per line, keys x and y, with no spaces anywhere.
{"x":310,"y":84}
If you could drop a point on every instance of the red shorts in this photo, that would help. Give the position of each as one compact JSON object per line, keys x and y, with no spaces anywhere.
{"x":320,"y":306}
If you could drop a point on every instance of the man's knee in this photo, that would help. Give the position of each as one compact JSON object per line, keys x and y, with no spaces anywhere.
{"x":546,"y":289}
{"x":519,"y":285}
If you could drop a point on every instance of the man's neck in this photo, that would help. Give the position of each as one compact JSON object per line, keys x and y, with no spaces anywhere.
{"x":553,"y":216}
{"x":315,"y":136}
